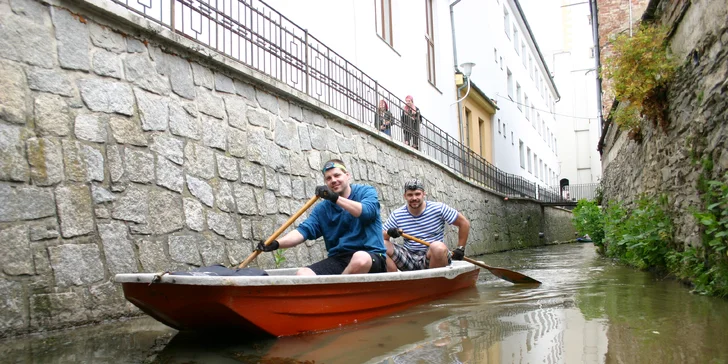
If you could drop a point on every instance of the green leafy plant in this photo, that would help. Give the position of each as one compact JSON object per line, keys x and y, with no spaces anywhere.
{"x":640,"y":68}
{"x":588,"y":220}
{"x":279,"y":257}
{"x":707,"y":267}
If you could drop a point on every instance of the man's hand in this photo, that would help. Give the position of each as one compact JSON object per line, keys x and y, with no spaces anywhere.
{"x":394,"y":233}
{"x":326,"y":193}
{"x":459,"y":253}
{"x":274,"y":245}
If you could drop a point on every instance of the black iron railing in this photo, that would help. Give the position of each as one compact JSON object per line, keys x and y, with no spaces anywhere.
{"x":261,"y":38}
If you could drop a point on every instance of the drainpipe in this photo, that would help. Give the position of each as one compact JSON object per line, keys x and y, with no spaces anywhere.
{"x":597,"y":62}
{"x":455,"y":59}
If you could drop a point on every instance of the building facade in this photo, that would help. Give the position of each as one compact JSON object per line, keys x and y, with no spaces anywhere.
{"x":577,"y":114}
{"x":511,"y":70}
{"x":406,"y":46}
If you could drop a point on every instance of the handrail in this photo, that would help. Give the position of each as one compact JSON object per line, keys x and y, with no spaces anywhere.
{"x":256,"y":35}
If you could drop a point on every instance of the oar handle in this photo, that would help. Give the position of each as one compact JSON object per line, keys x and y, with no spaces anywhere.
{"x":279,"y":231}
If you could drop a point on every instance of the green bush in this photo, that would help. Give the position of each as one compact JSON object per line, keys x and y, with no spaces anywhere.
{"x":588,"y":220}
{"x":707,"y":267}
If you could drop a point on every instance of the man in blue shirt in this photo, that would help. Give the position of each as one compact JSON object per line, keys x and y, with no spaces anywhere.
{"x":349,"y":222}
{"x":425,"y":220}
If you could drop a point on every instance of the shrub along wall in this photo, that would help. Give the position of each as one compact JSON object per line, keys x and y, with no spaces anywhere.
{"x":126,"y":150}
{"x":674,"y":164}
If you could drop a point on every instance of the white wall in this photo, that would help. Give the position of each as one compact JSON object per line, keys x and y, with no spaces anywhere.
{"x":348,"y":27}
{"x":575,"y":75}
{"x":480,"y":30}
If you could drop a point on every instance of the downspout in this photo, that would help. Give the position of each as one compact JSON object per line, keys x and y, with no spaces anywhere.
{"x":598,"y":65}
{"x":455,"y":59}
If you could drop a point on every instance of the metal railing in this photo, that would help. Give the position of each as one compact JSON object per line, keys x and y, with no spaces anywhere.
{"x":581,"y":191}
{"x":256,"y":35}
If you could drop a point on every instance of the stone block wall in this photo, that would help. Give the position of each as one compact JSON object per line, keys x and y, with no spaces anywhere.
{"x":122,"y":152}
{"x":669,"y":161}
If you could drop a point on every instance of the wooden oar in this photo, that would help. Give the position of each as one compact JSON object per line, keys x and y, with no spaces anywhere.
{"x":502,"y":273}
{"x":280,"y":231}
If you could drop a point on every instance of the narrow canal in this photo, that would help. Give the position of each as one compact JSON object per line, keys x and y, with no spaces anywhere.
{"x":588,"y":310}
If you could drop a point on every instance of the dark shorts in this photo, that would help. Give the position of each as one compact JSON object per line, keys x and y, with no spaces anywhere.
{"x":337,"y":263}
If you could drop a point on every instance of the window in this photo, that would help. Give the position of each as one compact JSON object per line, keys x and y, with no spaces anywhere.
{"x":521,"y":152}
{"x":430,"y":38}
{"x":383,"y":10}
{"x":515,"y":38}
{"x":523,"y":53}
{"x":528,"y":154}
{"x":532,"y":110}
{"x":501,"y":61}
{"x":591,"y":52}
{"x":506,"y":23}
{"x":499,"y":126}
{"x":535,"y":164}
{"x":481,"y":135}
{"x":495,"y":54}
{"x":504,"y":129}
{"x":528,"y":112}
{"x":513,"y":142}
{"x":546,"y":134}
{"x":510,"y":83}
{"x":466,"y":137}
{"x":531,"y":70}
{"x":540,"y":169}
{"x":518,"y":96}
{"x":535,"y":120}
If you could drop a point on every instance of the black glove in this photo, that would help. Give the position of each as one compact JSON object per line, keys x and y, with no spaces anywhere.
{"x":393,"y":233}
{"x":274,"y":245}
{"x":459,"y":253}
{"x":326,"y":193}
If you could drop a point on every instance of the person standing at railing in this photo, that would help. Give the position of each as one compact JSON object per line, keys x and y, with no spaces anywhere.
{"x":411,"y":120}
{"x":383,"y":118}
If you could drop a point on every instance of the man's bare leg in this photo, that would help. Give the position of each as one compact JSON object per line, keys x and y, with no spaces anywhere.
{"x":305,"y":272}
{"x":361,"y":262}
{"x":437,"y":253}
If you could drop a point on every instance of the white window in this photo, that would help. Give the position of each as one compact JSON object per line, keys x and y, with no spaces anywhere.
{"x":506,"y":22}
{"x":495,"y":55}
{"x":528,"y":112}
{"x":528,"y":154}
{"x":515,"y":38}
{"x":510,"y":83}
{"x":430,"y":38}
{"x":512,"y":141}
{"x":383,"y":11}
{"x":518,"y":96}
{"x":521,"y":152}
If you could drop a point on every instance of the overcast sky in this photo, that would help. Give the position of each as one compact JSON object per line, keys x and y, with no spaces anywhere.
{"x":544,"y":17}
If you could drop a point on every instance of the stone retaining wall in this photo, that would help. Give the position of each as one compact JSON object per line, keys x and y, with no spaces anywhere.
{"x":121,"y":151}
{"x":670,"y":161}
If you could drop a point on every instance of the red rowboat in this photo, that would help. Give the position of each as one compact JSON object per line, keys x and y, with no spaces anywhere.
{"x":282,"y":303}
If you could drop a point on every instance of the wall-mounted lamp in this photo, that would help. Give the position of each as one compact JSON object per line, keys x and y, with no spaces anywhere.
{"x":467,"y":68}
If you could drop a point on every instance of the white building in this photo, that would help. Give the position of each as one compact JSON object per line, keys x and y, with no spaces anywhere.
{"x":406,"y":46}
{"x":511,"y":71}
{"x":578,"y":112}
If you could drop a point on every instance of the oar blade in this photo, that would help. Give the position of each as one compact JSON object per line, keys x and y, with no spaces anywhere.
{"x":511,"y":276}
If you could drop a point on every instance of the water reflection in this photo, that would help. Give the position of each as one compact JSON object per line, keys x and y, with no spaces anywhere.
{"x":588,"y":310}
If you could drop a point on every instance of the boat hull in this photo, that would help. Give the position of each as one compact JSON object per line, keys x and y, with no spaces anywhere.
{"x":287,"y":305}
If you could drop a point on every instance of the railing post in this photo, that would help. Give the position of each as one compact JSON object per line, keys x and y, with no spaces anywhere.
{"x":308,"y":76}
{"x":171,"y":12}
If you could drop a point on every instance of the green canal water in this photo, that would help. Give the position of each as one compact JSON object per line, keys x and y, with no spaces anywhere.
{"x":588,"y":310}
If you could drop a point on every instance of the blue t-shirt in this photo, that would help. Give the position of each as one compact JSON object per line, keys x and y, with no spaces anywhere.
{"x":428,"y":226}
{"x":342,"y":232}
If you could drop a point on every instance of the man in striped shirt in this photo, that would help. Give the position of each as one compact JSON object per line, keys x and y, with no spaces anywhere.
{"x":425,"y":220}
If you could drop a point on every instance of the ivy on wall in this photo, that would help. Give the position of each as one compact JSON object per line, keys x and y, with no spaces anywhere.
{"x":640,"y":69}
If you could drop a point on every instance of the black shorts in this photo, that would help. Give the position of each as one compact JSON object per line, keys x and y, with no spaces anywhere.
{"x":337,"y":263}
